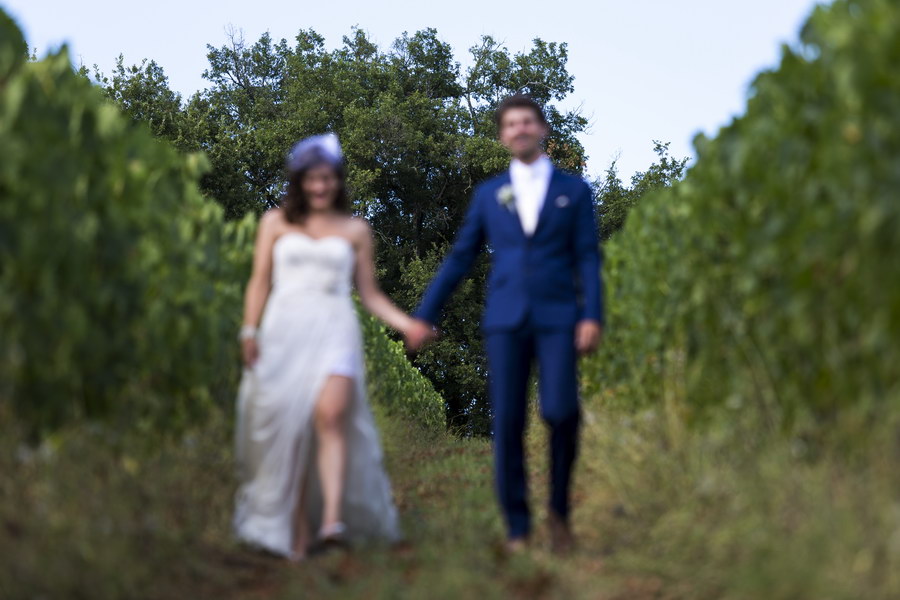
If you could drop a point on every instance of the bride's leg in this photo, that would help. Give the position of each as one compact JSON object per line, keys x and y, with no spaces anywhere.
{"x":302,"y":538}
{"x":331,"y":413}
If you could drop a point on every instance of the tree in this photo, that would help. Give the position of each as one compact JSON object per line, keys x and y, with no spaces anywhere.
{"x":142,"y":92}
{"x":614,"y":200}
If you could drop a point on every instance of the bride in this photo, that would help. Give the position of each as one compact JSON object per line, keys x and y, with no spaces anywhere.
{"x":308,"y":452}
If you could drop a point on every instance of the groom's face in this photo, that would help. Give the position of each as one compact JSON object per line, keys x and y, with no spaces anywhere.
{"x":522,"y":131}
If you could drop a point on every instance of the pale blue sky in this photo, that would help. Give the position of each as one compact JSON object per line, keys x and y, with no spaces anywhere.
{"x":643,"y":69}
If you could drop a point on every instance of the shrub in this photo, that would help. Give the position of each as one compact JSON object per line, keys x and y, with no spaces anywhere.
{"x":769,"y":276}
{"x":120,"y":284}
{"x":394,"y":383}
{"x":115,"y":288}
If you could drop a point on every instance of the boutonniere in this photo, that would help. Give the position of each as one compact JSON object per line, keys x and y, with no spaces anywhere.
{"x":506,"y":197}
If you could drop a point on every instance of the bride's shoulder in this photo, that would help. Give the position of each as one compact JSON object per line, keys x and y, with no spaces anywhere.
{"x":358,"y":228}
{"x":272,"y":220}
{"x":271,"y":225}
{"x":272,"y":215}
{"x":359,"y":232}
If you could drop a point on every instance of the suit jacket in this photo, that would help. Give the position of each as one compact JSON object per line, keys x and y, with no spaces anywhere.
{"x":554,"y":275}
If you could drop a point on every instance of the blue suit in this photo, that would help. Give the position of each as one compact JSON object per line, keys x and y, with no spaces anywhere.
{"x":539,"y":287}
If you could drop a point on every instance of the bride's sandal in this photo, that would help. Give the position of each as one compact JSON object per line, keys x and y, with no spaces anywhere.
{"x":297,"y":557}
{"x":330,"y":538}
{"x":299,"y":548}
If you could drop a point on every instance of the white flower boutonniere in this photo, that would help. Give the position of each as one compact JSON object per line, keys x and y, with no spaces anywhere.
{"x":506,"y":197}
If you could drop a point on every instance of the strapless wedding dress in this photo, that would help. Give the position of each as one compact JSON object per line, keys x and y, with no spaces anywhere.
{"x":309,"y":330}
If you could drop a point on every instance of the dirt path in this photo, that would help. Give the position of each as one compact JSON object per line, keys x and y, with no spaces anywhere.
{"x":443,"y":489}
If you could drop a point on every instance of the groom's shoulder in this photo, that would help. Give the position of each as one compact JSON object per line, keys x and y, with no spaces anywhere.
{"x":573,"y":179}
{"x":575,"y":185}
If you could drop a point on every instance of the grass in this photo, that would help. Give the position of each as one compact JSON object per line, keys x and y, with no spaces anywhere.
{"x":89,"y":516}
{"x":730,"y":510}
{"x":661,"y":512}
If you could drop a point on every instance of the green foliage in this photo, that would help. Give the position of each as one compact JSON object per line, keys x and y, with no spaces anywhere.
{"x":13,"y":50}
{"x":113,"y":285}
{"x":614,"y":200}
{"x":396,"y":385}
{"x":142,"y":92}
{"x":467,"y":412}
{"x":768,"y":277}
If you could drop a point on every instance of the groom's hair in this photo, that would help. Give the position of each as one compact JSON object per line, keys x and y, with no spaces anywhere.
{"x":518,"y":101}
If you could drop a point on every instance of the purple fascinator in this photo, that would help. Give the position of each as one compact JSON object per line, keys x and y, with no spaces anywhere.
{"x":315,"y":149}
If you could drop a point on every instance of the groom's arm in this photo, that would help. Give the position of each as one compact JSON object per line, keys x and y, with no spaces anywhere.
{"x":465,"y":249}
{"x":588,"y":259}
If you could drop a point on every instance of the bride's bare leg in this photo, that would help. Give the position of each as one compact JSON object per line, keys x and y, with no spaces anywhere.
{"x":331,"y":421}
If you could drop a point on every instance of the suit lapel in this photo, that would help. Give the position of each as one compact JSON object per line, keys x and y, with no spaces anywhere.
{"x":512,"y":215}
{"x":554,"y":190}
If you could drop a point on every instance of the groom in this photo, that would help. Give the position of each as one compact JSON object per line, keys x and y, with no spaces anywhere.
{"x":544,"y":303}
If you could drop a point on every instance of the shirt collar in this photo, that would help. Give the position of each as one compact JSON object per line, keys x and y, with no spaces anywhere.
{"x":540,"y":167}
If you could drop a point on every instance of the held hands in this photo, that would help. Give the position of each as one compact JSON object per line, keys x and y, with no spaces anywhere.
{"x":418,"y":333}
{"x":588,"y":334}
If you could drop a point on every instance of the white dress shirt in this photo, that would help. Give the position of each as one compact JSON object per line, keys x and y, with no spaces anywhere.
{"x":529,"y":184}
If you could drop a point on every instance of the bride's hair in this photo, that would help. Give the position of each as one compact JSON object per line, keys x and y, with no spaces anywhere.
{"x":295,"y":204}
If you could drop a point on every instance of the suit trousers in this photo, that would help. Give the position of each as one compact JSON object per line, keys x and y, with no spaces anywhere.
{"x":511,"y":355}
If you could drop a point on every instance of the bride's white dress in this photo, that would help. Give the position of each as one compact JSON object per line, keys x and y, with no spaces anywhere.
{"x":309,"y":330}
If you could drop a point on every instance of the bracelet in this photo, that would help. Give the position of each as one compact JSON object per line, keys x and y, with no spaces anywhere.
{"x":248,"y":332}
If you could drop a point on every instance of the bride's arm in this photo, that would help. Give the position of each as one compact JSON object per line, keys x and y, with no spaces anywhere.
{"x":373,"y":299}
{"x":260,"y":282}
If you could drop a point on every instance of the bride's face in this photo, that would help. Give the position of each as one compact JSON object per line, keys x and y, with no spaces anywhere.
{"x":320,"y":187}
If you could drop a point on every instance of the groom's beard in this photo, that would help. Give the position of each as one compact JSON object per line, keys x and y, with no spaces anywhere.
{"x":530,"y":155}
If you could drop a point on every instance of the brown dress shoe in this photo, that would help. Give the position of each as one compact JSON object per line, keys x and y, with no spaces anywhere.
{"x":561,"y":540}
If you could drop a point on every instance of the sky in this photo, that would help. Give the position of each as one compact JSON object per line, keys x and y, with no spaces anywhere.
{"x":644,"y":70}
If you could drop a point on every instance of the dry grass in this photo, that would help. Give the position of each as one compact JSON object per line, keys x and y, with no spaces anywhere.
{"x":661,"y":512}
